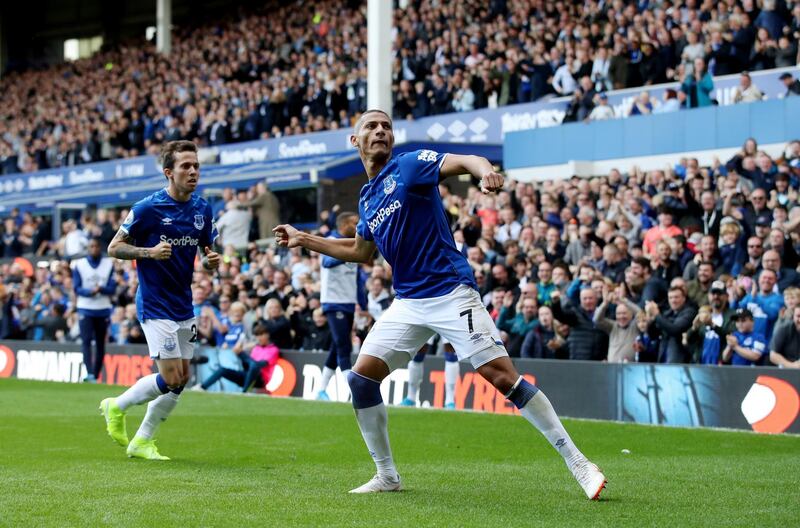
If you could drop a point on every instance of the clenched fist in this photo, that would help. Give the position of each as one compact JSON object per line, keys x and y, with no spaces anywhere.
{"x":491,"y":182}
{"x":287,"y":236}
{"x":162,"y":251}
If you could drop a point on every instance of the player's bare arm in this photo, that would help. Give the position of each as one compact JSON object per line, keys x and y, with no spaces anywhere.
{"x":348,"y":249}
{"x":122,"y":247}
{"x":480,"y":167}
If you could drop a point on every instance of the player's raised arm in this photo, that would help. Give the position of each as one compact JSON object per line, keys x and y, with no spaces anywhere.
{"x":348,"y":249}
{"x":122,"y":247}
{"x":480,"y":167}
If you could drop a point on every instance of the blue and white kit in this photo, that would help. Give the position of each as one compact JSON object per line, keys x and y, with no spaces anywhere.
{"x":402,"y":212}
{"x":164,"y":297}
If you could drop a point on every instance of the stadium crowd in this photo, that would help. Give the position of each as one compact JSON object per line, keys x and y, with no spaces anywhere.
{"x":287,"y":69}
{"x":686,"y":264}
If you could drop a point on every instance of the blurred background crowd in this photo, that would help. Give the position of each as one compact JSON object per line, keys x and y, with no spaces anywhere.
{"x":689,"y":264}
{"x":284,"y":69}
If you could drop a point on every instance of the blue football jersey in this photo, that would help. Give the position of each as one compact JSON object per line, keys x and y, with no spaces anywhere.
{"x":401,"y":211}
{"x":165,"y":286}
{"x":753,"y":341}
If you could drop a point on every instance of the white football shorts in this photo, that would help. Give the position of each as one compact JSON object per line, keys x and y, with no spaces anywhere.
{"x":459,"y":317}
{"x":170,"y":339}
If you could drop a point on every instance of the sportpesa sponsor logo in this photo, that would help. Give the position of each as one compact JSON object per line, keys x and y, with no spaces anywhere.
{"x":182,"y":241}
{"x":383,"y":214}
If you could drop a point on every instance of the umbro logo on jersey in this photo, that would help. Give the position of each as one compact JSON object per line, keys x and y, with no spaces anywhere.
{"x":166,"y":220}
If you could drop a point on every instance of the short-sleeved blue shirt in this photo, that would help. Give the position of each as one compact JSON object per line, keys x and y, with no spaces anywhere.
{"x":751,"y":340}
{"x":401,"y":210}
{"x":165,"y":286}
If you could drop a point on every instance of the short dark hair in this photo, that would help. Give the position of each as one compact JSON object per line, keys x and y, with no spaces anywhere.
{"x":171,"y":148}
{"x":360,"y":120}
{"x":344,"y":217}
{"x":260,"y":329}
{"x":706,"y":263}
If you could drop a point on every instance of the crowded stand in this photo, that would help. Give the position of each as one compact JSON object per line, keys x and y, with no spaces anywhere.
{"x":689,"y":264}
{"x":289,"y":69}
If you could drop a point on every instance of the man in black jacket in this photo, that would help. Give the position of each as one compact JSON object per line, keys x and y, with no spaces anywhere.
{"x":585,"y":340}
{"x":671,"y":325}
{"x":792,"y":85}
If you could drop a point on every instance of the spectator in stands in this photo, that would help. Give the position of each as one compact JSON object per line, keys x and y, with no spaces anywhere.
{"x":670,"y":326}
{"x":732,"y":252}
{"x":464,"y":98}
{"x":75,"y":240}
{"x":234,"y":226}
{"x":697,"y":84}
{"x":258,"y":365}
{"x":711,"y":326}
{"x":712,"y":215}
{"x":744,"y":347}
{"x":318,"y":336}
{"x":664,"y":267}
{"x":602,"y":110}
{"x":792,"y":85}
{"x":266,"y":209}
{"x":378,"y":298}
{"x":542,"y":342}
{"x":13,"y":241}
{"x":53,"y":324}
{"x":585,"y":340}
{"x":641,"y":105}
{"x":282,"y":291}
{"x":665,"y":228}
{"x":786,"y":54}
{"x":787,"y":277}
{"x":622,"y":331}
{"x":517,"y":322}
{"x":272,"y":89}
{"x":277,"y":324}
{"x":763,"y":302}
{"x":671,"y":103}
{"x":579,"y":247}
{"x":563,"y":80}
{"x":699,"y":288}
{"x":785,"y":344}
{"x":746,"y":92}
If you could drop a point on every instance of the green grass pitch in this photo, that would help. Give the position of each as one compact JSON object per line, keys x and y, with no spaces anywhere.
{"x":256,"y":461}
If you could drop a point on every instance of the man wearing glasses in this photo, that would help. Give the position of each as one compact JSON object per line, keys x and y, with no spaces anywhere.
{"x":755,"y":250}
{"x":757,"y":212}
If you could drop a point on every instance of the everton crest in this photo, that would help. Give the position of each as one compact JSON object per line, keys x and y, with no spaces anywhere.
{"x":199,"y":221}
{"x":169,"y":344}
{"x":389,"y":184}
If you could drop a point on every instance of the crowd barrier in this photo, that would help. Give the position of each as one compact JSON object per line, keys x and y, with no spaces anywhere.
{"x":764,"y":400}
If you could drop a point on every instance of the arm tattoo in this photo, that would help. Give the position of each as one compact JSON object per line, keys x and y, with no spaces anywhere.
{"x":122,"y":247}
